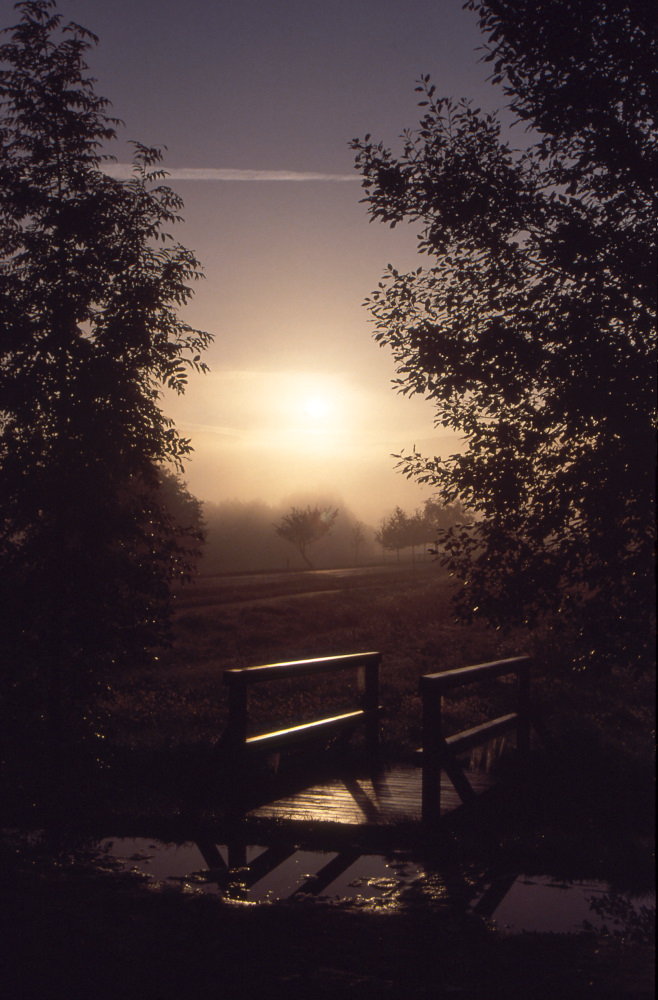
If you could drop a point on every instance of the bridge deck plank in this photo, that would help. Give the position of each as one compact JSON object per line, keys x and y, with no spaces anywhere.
{"x":392,"y":796}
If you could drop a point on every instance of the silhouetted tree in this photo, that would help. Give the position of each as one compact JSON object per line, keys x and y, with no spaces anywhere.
{"x":380,"y":537}
{"x":440,"y":522}
{"x":417,"y":531}
{"x":302,"y":526}
{"x":90,"y":284}
{"x":438,"y":517}
{"x":188,"y":523}
{"x":533,"y":330}
{"x":394,"y":532}
{"x":358,"y":536}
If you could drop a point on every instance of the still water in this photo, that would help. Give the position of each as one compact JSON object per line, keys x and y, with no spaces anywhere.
{"x":512,"y":902}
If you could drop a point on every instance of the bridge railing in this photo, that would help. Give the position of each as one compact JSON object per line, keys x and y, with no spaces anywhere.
{"x":440,"y":753}
{"x":368,"y":713}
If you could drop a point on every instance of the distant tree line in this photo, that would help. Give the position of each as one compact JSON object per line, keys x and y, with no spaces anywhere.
{"x":422,"y":528}
{"x":250,"y":536}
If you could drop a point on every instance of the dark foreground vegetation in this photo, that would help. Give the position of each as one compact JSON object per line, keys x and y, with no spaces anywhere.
{"x":147,"y":766}
{"x":104,"y":938}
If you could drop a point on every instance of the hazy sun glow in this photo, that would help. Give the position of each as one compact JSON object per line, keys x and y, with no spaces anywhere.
{"x":310,"y":410}
{"x":275,"y":434}
{"x":316,"y":408}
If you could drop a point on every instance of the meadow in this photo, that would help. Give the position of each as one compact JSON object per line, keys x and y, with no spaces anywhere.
{"x":405,"y":613}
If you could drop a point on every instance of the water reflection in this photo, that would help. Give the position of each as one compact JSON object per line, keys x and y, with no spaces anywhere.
{"x":545,"y":904}
{"x":513,"y":902}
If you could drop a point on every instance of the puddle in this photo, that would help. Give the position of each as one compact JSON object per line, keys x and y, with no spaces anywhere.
{"x":261,"y":875}
{"x":256,"y":874}
{"x":546,"y":905}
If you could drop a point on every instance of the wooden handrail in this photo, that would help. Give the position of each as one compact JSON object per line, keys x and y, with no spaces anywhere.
{"x":469,"y":675}
{"x":299,"y":668}
{"x":239,"y":679}
{"x":439,"y":753}
{"x":308,"y":730}
{"x":480,"y":734}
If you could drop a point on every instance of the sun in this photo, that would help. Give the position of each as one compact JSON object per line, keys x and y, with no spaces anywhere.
{"x":316,"y":408}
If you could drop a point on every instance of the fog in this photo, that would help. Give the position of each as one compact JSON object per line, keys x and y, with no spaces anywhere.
{"x":241,"y":537}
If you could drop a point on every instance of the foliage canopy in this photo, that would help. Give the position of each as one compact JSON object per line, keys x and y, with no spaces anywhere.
{"x":90,"y":286}
{"x":302,"y":526}
{"x":533,"y":327}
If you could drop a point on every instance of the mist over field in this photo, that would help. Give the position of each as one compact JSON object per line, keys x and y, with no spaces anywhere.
{"x":241,"y":538}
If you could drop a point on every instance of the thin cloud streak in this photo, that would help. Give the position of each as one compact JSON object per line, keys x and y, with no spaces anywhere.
{"x":124,"y":171}
{"x":218,"y":429}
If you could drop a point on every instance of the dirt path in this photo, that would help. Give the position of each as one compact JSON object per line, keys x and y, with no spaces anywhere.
{"x":249,"y":590}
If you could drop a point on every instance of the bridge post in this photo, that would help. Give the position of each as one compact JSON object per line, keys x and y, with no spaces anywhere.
{"x":237,"y":710}
{"x":432,"y":740}
{"x":523,"y":725}
{"x":523,"y":709}
{"x":236,"y":734}
{"x":371,"y":705}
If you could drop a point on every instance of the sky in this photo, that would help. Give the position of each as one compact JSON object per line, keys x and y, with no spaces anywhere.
{"x":256,"y":102}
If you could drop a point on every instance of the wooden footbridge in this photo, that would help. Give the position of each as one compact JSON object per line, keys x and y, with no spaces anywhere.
{"x":439,"y":783}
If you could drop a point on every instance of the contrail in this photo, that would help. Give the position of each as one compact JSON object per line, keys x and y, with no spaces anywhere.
{"x":124,"y":171}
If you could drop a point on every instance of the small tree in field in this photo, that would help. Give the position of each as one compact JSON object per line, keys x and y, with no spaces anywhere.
{"x":358,"y":537}
{"x":395,"y":532}
{"x":532,"y":327}
{"x":90,"y":286}
{"x":302,"y":526}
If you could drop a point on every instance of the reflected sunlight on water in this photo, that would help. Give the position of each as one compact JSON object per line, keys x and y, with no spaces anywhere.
{"x":256,"y":874}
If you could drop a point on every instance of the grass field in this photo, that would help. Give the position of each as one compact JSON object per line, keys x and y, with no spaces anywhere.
{"x":404,"y":613}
